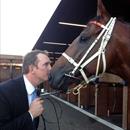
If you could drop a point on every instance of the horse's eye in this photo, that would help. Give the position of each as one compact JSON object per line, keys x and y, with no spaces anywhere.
{"x":83,"y":39}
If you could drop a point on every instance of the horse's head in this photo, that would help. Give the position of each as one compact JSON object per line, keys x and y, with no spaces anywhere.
{"x":91,"y":53}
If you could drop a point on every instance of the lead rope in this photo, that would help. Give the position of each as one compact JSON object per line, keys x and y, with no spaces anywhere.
{"x":76,"y":90}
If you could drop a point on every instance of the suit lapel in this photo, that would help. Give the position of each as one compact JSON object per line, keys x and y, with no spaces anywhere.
{"x":21,"y":98}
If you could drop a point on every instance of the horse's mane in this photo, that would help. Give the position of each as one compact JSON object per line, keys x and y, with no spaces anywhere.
{"x":119,"y":9}
{"x":123,"y":21}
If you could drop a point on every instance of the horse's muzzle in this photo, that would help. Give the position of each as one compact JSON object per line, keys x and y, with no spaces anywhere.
{"x":57,"y":84}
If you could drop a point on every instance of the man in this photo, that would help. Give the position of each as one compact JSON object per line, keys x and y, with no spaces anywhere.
{"x":17,"y":110}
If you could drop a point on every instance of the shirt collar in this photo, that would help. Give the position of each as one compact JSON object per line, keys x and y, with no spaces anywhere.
{"x":29,"y":87}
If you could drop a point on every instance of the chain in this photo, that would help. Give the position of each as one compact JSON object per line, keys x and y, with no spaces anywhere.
{"x":76,"y":90}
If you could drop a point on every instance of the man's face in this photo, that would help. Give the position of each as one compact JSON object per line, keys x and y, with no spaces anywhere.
{"x":42,"y":70}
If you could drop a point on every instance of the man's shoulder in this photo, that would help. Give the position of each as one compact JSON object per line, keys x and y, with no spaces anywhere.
{"x":10,"y":83}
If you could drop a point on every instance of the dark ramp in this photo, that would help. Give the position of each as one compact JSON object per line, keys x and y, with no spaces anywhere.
{"x":71,"y":117}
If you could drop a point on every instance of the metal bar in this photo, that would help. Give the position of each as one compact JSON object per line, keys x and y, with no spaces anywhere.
{"x":73,"y":24}
{"x":56,"y":43}
{"x":106,"y":123}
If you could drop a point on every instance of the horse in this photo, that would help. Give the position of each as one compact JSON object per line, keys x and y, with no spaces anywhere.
{"x":103,"y":46}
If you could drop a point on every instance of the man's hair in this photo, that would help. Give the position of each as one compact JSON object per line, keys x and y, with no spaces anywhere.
{"x":31,"y":59}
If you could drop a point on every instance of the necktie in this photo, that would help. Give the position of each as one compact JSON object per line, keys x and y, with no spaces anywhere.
{"x":34,"y":95}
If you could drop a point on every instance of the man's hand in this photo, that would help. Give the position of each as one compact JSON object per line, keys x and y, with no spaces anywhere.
{"x":36,"y":107}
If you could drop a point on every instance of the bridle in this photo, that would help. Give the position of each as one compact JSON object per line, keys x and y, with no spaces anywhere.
{"x":106,"y":35}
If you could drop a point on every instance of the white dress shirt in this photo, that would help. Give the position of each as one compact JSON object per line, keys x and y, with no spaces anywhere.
{"x":30,"y":89}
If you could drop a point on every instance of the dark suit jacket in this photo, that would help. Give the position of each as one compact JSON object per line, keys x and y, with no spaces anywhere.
{"x":14,"y":106}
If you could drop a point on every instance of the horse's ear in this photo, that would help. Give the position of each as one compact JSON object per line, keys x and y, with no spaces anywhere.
{"x":101,"y":10}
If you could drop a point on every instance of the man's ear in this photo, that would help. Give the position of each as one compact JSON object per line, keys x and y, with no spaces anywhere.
{"x":101,"y":10}
{"x":31,"y":67}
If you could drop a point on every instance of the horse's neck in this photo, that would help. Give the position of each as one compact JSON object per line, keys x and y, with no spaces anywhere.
{"x":122,"y":50}
{"x":125,"y":26}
